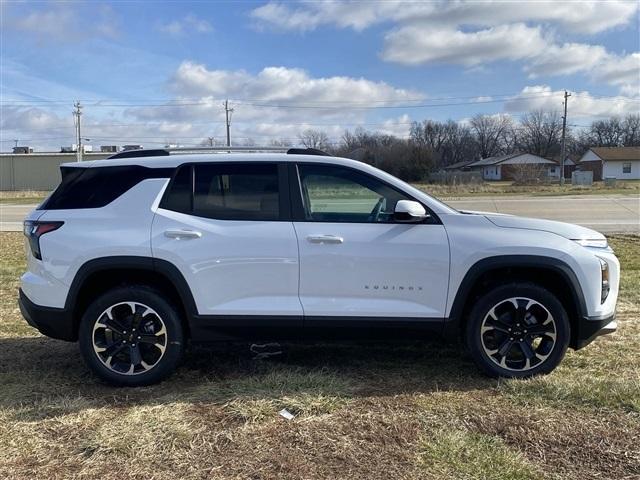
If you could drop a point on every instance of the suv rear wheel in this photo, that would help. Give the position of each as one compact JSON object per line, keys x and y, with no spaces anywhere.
{"x":131,"y":336}
{"x":518,"y":330}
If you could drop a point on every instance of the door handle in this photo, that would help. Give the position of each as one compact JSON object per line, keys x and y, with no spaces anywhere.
{"x":325,"y":239}
{"x":178,"y":234}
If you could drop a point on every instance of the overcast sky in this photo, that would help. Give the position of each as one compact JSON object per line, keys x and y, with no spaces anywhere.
{"x":157,"y":72}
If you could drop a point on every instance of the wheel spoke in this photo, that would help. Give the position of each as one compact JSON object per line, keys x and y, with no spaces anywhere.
{"x":136,"y":358}
{"x":521,"y":313}
{"x":114,"y":349}
{"x":505,"y":347}
{"x":527,"y":350}
{"x":110,"y":323}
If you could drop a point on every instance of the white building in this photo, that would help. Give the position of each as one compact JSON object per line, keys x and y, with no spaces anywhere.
{"x":505,"y":167}
{"x":622,"y":163}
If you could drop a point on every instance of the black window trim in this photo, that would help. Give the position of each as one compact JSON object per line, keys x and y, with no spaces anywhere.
{"x":297,"y":203}
{"x":283,"y":189}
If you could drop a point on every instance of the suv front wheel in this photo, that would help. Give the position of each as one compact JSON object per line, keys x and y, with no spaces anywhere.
{"x":131,"y":336}
{"x":517,"y":330}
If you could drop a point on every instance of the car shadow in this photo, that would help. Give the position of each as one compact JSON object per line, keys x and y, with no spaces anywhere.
{"x":44,"y":378}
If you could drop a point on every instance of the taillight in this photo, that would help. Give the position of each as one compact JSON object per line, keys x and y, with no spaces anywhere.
{"x":33,"y":230}
{"x":604,"y":267}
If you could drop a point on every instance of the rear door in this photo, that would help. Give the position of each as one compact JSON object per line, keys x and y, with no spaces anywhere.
{"x":227,"y":228}
{"x":356,"y":262}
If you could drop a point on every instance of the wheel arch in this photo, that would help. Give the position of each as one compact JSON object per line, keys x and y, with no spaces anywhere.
{"x":101,"y":274}
{"x":550,"y":273}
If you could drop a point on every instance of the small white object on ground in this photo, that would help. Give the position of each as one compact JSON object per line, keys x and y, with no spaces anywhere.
{"x":286,"y":414}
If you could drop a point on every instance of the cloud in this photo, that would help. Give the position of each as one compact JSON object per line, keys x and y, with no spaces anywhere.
{"x":62,"y":23}
{"x":580,"y":104}
{"x":292,"y":85}
{"x":331,"y":104}
{"x":589,"y":17}
{"x":303,"y":101}
{"x":472,"y":34}
{"x":188,"y":24}
{"x":414,"y":45}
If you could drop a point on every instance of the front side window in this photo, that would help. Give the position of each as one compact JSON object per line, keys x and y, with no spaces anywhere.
{"x":226,"y":191}
{"x":626,"y":168}
{"x":337,"y":194}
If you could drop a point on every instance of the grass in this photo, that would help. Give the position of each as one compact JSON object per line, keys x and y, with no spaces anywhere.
{"x":504,"y":188}
{"x":22,"y":197}
{"x":377,"y":411}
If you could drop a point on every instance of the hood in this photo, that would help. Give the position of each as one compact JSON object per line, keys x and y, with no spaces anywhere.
{"x":566,"y":230}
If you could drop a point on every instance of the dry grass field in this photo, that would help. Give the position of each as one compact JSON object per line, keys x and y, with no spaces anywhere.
{"x":492,"y":189}
{"x":376,"y":411}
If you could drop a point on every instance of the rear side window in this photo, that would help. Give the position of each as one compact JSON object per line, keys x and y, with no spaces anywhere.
{"x":226,"y":191}
{"x":95,"y":187}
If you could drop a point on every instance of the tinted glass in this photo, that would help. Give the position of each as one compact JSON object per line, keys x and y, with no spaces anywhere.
{"x":95,"y":187}
{"x":236,"y":192}
{"x":179,"y":196}
{"x":337,"y":194}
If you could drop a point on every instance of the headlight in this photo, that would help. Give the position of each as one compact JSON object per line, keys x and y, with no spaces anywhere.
{"x":594,"y":243}
{"x":604,"y":266}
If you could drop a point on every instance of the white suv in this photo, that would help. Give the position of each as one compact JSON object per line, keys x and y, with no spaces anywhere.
{"x":133,"y":257}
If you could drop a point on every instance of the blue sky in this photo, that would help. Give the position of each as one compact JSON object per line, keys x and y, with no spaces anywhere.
{"x":157,"y":72}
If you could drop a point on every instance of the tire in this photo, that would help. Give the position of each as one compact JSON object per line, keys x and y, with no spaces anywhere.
{"x":121,"y":354}
{"x":517,"y":330}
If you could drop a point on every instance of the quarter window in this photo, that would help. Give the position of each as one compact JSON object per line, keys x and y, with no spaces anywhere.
{"x":626,"y":168}
{"x":337,"y":194}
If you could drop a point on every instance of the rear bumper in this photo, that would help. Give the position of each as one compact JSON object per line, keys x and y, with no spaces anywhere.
{"x":52,"y":322}
{"x":590,"y":328}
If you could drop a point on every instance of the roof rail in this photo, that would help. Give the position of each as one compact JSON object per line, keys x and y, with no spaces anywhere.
{"x":307,"y":151}
{"x":186,"y":150}
{"x":156,"y":152}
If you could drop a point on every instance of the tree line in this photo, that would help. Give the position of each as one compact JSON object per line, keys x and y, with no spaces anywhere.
{"x":433,"y":145}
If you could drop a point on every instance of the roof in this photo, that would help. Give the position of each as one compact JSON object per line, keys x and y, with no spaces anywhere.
{"x":617,"y":153}
{"x":504,"y":158}
{"x":494,"y":160}
{"x":461,"y":164}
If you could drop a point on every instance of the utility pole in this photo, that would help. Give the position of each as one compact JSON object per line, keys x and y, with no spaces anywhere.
{"x":77,"y":113}
{"x":227,"y":112}
{"x":564,"y":132}
{"x":210,"y":140}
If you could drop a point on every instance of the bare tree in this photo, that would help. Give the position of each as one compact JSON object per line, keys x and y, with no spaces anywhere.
{"x":540,"y":133}
{"x":490,"y":132}
{"x":631,"y":128}
{"x":607,"y":133}
{"x":447,"y":142}
{"x":280,"y":142}
{"x":314,"y":139}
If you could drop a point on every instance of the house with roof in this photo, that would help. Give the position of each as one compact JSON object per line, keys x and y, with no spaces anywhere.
{"x":506,"y":167}
{"x":459,"y":166}
{"x":612,"y":162}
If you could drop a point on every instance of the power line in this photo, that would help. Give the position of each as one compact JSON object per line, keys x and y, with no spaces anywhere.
{"x":359,"y":105}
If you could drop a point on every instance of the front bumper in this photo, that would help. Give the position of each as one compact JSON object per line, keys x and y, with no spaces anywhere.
{"x":52,"y":322}
{"x":588,"y":329}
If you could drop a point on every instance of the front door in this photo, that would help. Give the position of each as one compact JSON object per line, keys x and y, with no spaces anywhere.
{"x":356,"y":261}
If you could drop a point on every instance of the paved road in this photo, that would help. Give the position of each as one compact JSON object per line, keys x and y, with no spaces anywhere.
{"x":608,"y":214}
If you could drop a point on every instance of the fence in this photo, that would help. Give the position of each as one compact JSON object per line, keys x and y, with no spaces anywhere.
{"x":36,"y":171}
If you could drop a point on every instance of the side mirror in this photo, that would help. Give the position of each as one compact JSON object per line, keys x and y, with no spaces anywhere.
{"x":408,"y":211}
